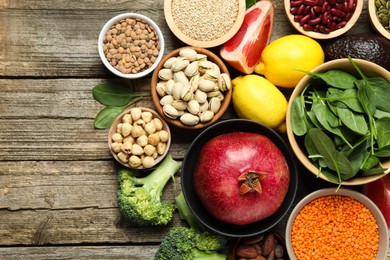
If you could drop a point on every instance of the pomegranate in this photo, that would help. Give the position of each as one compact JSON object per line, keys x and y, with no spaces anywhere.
{"x":243,"y":50}
{"x":241,"y":177}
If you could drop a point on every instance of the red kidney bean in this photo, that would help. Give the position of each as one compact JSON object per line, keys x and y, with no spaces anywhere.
{"x":322,"y":16}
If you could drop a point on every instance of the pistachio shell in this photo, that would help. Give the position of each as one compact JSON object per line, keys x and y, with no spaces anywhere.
{"x":224,"y":82}
{"x":206,"y":116}
{"x":205,"y":65}
{"x":179,"y":105}
{"x":204,"y":106}
{"x":169,"y":86}
{"x":170,"y":111}
{"x":161,"y":89}
{"x":189,"y":119}
{"x":168,"y":63}
{"x":165,"y":74}
{"x":179,"y":76}
{"x":177,"y":88}
{"x":214,"y":104}
{"x":189,"y":54}
{"x":194,"y":81}
{"x":187,"y":93}
{"x":211,"y":75}
{"x":166,"y":100}
{"x":193,"y":107}
{"x":200,"y":96}
{"x":191,"y":69}
{"x":201,"y":57}
{"x":179,"y":65}
{"x":214,"y":93}
{"x":206,"y":85}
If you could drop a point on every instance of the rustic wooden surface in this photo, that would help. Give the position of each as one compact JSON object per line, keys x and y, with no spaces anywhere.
{"x":57,"y":177}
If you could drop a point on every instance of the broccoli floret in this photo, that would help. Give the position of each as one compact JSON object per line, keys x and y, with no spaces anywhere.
{"x":189,"y":243}
{"x":139,"y":198}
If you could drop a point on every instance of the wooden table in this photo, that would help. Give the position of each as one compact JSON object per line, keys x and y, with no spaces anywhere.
{"x":57,"y":177}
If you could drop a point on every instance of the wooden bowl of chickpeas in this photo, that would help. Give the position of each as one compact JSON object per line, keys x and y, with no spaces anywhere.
{"x":131,"y":45}
{"x":139,"y":138}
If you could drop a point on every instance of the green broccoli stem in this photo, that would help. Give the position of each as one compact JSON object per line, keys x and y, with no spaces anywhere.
{"x":159,"y":177}
{"x":200,"y":255}
{"x":186,"y":214}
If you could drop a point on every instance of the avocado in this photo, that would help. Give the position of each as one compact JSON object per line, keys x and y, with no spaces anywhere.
{"x":366,"y":46}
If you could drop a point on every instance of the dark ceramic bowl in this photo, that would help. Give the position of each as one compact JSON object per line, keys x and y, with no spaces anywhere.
{"x":194,"y":203}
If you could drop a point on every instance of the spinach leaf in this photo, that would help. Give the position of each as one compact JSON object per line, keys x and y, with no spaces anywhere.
{"x":379,"y":114}
{"x":323,"y":115}
{"x":106,"y":116}
{"x":383,"y":131}
{"x":374,"y":171}
{"x":110,"y":94}
{"x":336,"y":78}
{"x":347,"y":97}
{"x":299,"y":122}
{"x":383,"y":152}
{"x":355,"y":122}
{"x":330,"y":176}
{"x":379,"y":88}
{"x":369,"y":162}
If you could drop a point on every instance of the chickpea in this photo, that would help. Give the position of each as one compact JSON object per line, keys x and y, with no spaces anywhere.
{"x":117,"y":137}
{"x":142,"y":140}
{"x":134,"y":161}
{"x":164,"y":136}
{"x":148,"y":162}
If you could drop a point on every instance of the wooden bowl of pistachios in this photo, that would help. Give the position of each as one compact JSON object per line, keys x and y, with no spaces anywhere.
{"x":139,"y":138}
{"x":191,"y":88}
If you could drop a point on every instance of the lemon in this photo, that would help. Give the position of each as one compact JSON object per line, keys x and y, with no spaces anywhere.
{"x":281,"y":58}
{"x":257,"y":99}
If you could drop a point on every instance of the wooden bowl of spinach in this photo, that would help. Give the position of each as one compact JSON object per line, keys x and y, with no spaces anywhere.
{"x":338,"y":121}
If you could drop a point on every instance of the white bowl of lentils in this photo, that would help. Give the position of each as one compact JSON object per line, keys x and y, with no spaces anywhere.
{"x":131,"y":45}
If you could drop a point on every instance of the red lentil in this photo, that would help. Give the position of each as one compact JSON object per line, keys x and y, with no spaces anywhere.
{"x":131,"y":46}
{"x":335,"y":227}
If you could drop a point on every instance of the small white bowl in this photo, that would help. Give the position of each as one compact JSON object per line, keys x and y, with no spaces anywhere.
{"x":381,"y":222}
{"x":107,"y":26}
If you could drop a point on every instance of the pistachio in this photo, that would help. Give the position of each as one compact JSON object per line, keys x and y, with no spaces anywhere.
{"x":179,"y":76}
{"x":179,"y":104}
{"x":188,"y":53}
{"x":214,"y":104}
{"x":180,"y":65}
{"x":205,"y":65}
{"x":214,"y":93}
{"x":200,"y":96}
{"x":169,"y":62}
{"x":216,"y":68}
{"x":212,"y":75}
{"x":161,"y":89}
{"x":206,"y":85}
{"x":177,"y":88}
{"x":194,"y":81}
{"x":187,"y":93}
{"x":193,"y":107}
{"x":206,"y":116}
{"x":224,"y":82}
{"x":169,"y":86}
{"x":201,"y":57}
{"x":166,"y":100}
{"x":189,"y":119}
{"x":170,"y":111}
{"x":165,"y":74}
{"x":203,"y":106}
{"x":191,"y":69}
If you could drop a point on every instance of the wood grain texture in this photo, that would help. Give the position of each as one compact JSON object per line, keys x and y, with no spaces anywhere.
{"x":57,"y":177}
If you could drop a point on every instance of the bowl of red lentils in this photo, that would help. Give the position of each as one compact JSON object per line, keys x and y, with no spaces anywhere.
{"x":323,"y":19}
{"x":336,"y":223}
{"x":131,"y":45}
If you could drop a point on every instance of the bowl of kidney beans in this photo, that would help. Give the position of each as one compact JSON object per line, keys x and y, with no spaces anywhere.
{"x":323,"y":19}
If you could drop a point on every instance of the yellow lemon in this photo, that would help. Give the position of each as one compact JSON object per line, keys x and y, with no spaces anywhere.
{"x":282,"y":58}
{"x":257,"y":99}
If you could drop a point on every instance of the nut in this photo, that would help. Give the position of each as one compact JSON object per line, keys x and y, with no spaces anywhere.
{"x":189,"y":119}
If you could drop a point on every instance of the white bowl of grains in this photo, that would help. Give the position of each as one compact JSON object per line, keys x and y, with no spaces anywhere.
{"x":204,"y":23}
{"x":131,"y":45}
{"x":336,"y":223}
